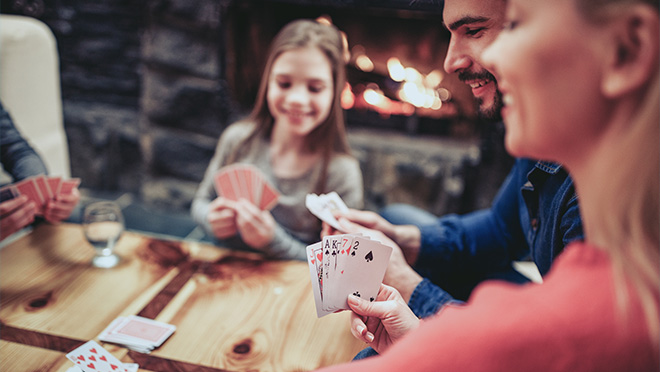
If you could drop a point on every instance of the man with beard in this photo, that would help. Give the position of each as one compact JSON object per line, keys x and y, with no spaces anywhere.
{"x":534,"y":215}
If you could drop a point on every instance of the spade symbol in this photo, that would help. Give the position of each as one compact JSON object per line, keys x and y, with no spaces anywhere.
{"x":327,"y":251}
{"x":371,"y":299}
{"x":369,"y":257}
{"x":353,"y":253}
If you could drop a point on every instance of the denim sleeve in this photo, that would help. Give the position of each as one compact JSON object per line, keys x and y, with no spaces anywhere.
{"x":477,"y":242}
{"x":427,"y":299}
{"x":18,"y":158}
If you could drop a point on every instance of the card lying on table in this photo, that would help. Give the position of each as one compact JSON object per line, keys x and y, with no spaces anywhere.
{"x":245,"y":181}
{"x":92,"y":357}
{"x":345,"y":264}
{"x":137,"y":333}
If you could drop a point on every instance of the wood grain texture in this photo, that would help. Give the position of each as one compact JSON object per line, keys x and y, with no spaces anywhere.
{"x":233,"y":311}
{"x":246,"y":313}
{"x":47,"y":283}
{"x":16,"y":357}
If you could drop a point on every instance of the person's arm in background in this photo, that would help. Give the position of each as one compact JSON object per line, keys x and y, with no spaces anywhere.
{"x":18,"y":158}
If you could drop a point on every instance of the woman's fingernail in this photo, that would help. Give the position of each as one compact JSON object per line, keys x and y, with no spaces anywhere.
{"x":370,"y":337}
{"x":360,"y":330}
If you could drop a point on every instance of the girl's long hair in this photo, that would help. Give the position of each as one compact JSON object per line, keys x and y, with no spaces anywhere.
{"x":329,"y":137}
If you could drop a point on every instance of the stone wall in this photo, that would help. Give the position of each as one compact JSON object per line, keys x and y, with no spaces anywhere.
{"x":145,"y":97}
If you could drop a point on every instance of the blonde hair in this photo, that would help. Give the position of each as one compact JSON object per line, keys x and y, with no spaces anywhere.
{"x":630,"y":217}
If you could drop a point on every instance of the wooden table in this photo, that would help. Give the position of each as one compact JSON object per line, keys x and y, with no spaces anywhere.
{"x":234,"y":311}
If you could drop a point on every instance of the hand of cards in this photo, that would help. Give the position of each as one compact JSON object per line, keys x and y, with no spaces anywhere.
{"x":323,"y":206}
{"x":40,"y":189}
{"x":137,"y":333}
{"x":92,"y":357}
{"x":345,"y":264}
{"x":245,"y":181}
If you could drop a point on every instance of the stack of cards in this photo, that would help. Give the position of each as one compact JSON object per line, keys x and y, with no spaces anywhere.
{"x":39,"y":189}
{"x":137,"y":333}
{"x":323,"y":206}
{"x":244,"y":181}
{"x":345,"y":264}
{"x":92,"y":357}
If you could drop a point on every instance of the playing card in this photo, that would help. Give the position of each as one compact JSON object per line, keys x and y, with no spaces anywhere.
{"x":320,"y":209}
{"x":144,"y":329}
{"x":314,"y":260}
{"x":363,"y":271}
{"x":130,"y":367}
{"x":333,"y":295}
{"x":92,"y":357}
{"x":54,"y":184}
{"x":224,"y":186}
{"x":269,"y":196}
{"x":331,"y":245}
{"x":8,"y":192}
{"x":137,"y":333}
{"x":67,"y":186}
{"x":334,"y":202}
{"x":29,"y":188}
{"x":43,"y":187}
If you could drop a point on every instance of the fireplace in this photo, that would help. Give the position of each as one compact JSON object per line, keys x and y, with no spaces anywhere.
{"x":395,"y":76}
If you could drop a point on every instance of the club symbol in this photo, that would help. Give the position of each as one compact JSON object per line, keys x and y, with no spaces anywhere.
{"x":369,"y":257}
{"x":356,"y":294}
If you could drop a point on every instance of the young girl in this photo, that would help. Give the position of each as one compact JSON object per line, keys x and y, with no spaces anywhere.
{"x":295,"y":135}
{"x":581,"y":86}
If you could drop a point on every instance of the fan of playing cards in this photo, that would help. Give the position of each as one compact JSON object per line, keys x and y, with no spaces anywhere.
{"x":245,"y":181}
{"x":40,"y":189}
{"x":345,"y":264}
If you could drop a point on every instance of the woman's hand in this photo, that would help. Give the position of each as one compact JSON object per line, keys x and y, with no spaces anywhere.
{"x":222,"y":218}
{"x":383,"y":322}
{"x":15,"y":214}
{"x":61,"y":207}
{"x":257,"y":227}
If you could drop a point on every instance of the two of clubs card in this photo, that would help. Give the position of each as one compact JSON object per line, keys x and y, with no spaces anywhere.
{"x":245,"y":181}
{"x":325,"y":205}
{"x":345,"y":264}
{"x":39,"y":189}
{"x":137,"y":333}
{"x":92,"y":357}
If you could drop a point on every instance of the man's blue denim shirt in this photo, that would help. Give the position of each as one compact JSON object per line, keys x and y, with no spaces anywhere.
{"x":534,"y":215}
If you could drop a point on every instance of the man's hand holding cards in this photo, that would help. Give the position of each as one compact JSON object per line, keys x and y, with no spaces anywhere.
{"x":345,"y":264}
{"x":245,"y":181}
{"x":324,"y":207}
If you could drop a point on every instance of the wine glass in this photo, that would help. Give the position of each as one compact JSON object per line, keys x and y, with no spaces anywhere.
{"x":103,"y":224}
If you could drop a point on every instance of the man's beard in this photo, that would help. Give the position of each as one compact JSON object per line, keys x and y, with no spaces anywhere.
{"x":494,"y":112}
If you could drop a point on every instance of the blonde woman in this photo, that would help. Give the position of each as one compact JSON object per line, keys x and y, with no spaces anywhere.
{"x":580,"y":81}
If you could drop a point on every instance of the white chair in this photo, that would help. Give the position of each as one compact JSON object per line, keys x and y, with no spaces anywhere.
{"x":30,"y":88}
